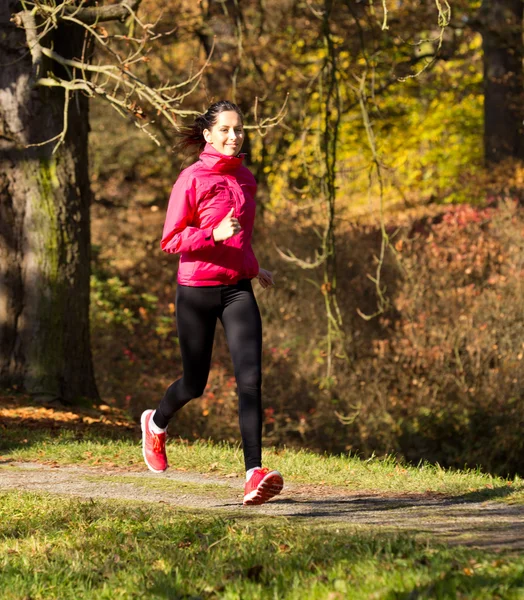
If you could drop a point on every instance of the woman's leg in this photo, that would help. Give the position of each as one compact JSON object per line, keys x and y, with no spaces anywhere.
{"x":197,"y":309}
{"x":243,"y":327}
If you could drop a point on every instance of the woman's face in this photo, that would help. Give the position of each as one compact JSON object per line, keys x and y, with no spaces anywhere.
{"x":227,"y":134}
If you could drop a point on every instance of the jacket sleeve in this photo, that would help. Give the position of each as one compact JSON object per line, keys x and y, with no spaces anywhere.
{"x":180,"y":233}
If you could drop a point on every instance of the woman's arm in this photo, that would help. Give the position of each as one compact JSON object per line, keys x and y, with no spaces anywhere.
{"x":179,"y":234}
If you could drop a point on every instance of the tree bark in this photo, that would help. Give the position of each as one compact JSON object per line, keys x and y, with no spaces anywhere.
{"x":502,"y":29}
{"x":44,"y":223}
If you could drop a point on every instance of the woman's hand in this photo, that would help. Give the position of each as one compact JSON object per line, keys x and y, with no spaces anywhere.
{"x":265,"y":278}
{"x":228,"y":227}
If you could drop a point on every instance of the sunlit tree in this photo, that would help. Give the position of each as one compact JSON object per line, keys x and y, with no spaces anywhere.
{"x":48,"y":73}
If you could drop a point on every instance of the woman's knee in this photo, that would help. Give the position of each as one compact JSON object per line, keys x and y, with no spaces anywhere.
{"x":248,"y":379}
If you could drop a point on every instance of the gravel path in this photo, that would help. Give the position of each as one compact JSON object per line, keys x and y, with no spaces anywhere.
{"x":491,"y":525}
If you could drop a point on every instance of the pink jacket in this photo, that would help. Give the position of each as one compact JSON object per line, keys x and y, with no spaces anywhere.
{"x":202,"y":196}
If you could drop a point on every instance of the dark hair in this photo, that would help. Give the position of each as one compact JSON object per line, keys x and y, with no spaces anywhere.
{"x":193,"y":135}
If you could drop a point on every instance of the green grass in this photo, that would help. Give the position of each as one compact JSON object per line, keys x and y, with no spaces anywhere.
{"x":377,"y":475}
{"x":52,"y":547}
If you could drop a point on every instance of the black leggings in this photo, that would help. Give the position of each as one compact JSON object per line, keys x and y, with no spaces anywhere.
{"x":197,"y":310}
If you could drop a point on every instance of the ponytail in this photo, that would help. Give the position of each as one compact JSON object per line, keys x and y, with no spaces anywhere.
{"x":193,"y":135}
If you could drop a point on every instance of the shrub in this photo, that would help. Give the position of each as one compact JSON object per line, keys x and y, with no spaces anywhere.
{"x":439,"y":375}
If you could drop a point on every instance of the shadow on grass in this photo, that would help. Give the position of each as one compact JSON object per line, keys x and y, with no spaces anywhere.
{"x":486,"y":494}
{"x":494,"y":528}
{"x":451,"y":572}
{"x":455,"y":584}
{"x":328,"y":507}
{"x":25,"y":422}
{"x":163,"y":553}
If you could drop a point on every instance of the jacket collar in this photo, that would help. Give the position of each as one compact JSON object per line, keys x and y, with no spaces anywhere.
{"x":216,"y":161}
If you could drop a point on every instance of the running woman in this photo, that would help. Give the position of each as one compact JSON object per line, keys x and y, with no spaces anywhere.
{"x":209,"y":222}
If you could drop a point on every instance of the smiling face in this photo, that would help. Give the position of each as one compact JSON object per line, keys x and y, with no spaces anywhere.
{"x":227,"y":134}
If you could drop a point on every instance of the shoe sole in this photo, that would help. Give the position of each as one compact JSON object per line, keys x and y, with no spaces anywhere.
{"x":143,"y":427}
{"x":268,"y":488}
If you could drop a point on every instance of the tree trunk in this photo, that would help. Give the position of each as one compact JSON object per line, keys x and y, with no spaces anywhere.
{"x":503,"y":79}
{"x":44,"y":223}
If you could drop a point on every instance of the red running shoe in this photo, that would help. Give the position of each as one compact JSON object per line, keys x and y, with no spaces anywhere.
{"x":262,"y":486}
{"x":153,"y":445}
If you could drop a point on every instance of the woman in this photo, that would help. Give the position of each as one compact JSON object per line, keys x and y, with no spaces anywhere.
{"x":209,"y":222}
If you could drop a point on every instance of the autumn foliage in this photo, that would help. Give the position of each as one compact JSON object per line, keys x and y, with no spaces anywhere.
{"x":407,"y":337}
{"x":437,"y":376}
{"x":436,"y":372}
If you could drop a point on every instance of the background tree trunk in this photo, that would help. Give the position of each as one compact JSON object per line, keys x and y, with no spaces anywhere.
{"x":44,"y":224}
{"x":503,"y":79}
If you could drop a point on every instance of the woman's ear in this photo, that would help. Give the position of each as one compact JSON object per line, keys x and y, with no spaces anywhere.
{"x":207,"y":136}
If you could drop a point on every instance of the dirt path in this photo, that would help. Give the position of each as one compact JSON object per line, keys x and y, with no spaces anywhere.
{"x":482,"y":524}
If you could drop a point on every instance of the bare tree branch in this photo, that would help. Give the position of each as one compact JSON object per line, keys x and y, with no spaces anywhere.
{"x":116,"y":81}
{"x":95,"y":14}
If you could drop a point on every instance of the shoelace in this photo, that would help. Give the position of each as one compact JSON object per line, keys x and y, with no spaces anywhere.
{"x":158,"y":445}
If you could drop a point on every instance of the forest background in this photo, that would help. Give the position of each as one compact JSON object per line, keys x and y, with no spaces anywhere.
{"x":389,"y":210}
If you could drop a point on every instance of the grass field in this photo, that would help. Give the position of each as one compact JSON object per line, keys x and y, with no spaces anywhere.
{"x":52,"y":547}
{"x":67,"y":548}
